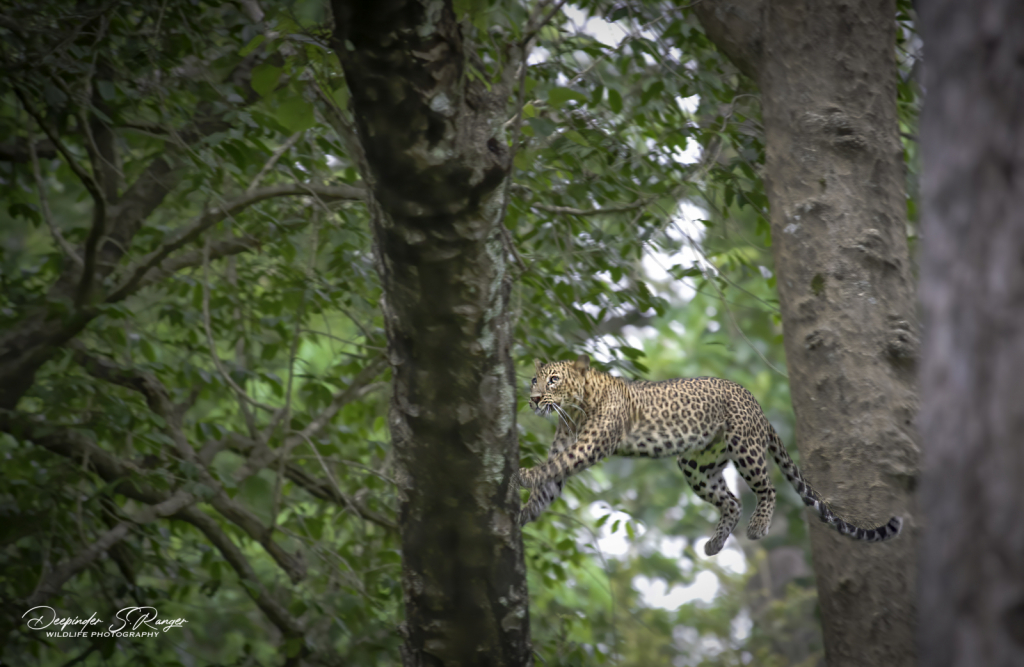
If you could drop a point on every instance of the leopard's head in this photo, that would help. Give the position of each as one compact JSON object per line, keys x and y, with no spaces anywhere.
{"x":559,"y":383}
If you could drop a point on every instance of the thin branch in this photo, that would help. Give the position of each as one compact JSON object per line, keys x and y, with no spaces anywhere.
{"x":281,"y":150}
{"x":216,"y":214}
{"x":532,"y":31}
{"x":159,"y":402}
{"x":335,"y":117}
{"x":607,"y":210}
{"x":284,"y":414}
{"x":95,"y":156}
{"x":740,"y":331}
{"x":14,"y":151}
{"x":356,"y":389}
{"x":99,"y":211}
{"x":84,"y":176}
{"x":53,"y":582}
{"x":218,"y":250}
{"x":271,"y":608}
{"x":506,"y":233}
{"x":208,"y":329}
{"x":44,"y":205}
{"x":125,"y":478}
{"x":317,"y":488}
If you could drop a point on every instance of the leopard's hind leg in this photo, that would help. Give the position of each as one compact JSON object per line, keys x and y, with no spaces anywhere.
{"x":748,"y":455}
{"x":707,"y":482}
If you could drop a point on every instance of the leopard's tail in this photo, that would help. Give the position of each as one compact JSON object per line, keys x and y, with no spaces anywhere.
{"x":886,"y":531}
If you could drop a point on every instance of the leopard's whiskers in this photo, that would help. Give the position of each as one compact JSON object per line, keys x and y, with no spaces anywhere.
{"x":580,"y":408}
{"x":564,"y":416}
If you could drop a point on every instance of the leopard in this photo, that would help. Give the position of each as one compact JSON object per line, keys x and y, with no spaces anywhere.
{"x":705,"y":422}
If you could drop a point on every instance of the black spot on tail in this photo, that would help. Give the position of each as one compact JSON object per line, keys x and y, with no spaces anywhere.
{"x":811,"y":498}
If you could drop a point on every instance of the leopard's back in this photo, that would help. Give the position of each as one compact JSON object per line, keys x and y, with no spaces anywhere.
{"x":670,"y":417}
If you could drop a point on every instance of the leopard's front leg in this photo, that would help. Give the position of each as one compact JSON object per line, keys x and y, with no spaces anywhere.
{"x":542,"y":497}
{"x":597,"y":439}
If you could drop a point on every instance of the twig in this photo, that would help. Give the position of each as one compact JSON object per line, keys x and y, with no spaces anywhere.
{"x":744,"y":335}
{"x":44,"y":205}
{"x":506,"y":233}
{"x":567,"y":210}
{"x":532,"y":31}
{"x":51,"y":585}
{"x":216,"y":214}
{"x":271,"y":608}
{"x":218,"y":250}
{"x":99,"y":211}
{"x":356,"y":389}
{"x":209,"y":337}
{"x":159,"y":402}
{"x":284,"y":413}
{"x":124,"y":478}
{"x":275,"y":156}
{"x":316,"y":487}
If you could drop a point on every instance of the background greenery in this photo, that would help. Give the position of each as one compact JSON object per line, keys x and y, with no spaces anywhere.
{"x":637,"y":210}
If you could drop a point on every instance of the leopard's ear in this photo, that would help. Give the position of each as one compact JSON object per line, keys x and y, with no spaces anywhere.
{"x":537,"y":363}
{"x":582,"y":363}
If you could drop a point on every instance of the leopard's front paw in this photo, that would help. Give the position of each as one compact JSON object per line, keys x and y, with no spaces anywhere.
{"x":522,"y":479}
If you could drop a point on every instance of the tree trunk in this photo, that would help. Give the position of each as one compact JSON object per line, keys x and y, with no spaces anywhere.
{"x":834,"y":175}
{"x":434,"y":160}
{"x":972,"y":288}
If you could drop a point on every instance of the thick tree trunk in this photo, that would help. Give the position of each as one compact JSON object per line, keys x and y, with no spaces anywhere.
{"x":972,"y":288}
{"x":834,"y":174}
{"x":435,"y":159}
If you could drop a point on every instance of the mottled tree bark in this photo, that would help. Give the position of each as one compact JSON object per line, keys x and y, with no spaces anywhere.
{"x":834,"y":174}
{"x":972,"y":289}
{"x":434,"y":161}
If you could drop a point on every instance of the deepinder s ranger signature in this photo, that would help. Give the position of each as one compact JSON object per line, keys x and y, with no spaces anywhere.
{"x":129,"y":619}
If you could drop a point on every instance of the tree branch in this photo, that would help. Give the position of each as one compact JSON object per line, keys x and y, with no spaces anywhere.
{"x":124,"y":479}
{"x":734,"y":26}
{"x":99,"y":211}
{"x":44,"y":205}
{"x":317,"y":488}
{"x":275,"y":156}
{"x":18,"y":151}
{"x":607,"y":210}
{"x":52,"y":583}
{"x":159,"y":402}
{"x":271,"y":608}
{"x":357,"y":388}
{"x":218,"y":250}
{"x":533,"y":26}
{"x":216,"y":214}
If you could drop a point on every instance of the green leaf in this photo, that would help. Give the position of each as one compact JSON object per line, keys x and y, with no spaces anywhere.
{"x":296,"y":114}
{"x":147,"y":350}
{"x":106,"y":89}
{"x":576,"y":138}
{"x":251,"y":46}
{"x":264,"y":78}
{"x":614,"y":100}
{"x":559,"y":96}
{"x":653,"y":90}
{"x":542,"y":126}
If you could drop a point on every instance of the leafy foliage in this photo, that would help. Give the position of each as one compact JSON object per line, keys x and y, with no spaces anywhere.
{"x":246,"y":368}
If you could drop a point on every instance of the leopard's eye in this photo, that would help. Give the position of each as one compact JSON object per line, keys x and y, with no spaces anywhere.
{"x":534,"y":381}
{"x":553,"y":379}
